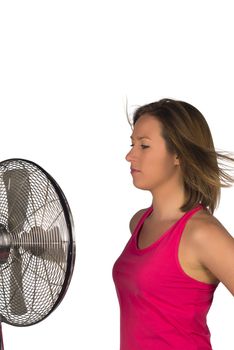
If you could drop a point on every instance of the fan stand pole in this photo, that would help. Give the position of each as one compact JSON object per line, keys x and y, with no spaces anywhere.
{"x":1,"y":337}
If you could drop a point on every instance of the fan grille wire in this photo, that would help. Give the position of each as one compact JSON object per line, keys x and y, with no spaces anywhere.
{"x":42,"y":243}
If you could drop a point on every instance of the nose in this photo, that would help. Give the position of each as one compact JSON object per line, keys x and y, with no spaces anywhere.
{"x":129,"y":156}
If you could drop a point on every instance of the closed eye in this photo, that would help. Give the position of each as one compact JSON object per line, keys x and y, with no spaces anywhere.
{"x":143,"y":146}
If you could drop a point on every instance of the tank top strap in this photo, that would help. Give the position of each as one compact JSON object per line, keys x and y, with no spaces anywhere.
{"x":180,"y":224}
{"x":142,"y":219}
{"x":189,"y":213}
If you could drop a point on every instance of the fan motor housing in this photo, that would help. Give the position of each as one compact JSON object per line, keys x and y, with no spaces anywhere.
{"x":5,"y":243}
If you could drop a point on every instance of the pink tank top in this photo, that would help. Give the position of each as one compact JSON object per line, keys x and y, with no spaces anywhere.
{"x":161,"y":307}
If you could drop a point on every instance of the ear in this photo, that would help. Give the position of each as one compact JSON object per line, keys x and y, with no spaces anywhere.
{"x":177,"y":161}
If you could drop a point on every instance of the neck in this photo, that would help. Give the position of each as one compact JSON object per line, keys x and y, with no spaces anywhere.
{"x":166,"y":202}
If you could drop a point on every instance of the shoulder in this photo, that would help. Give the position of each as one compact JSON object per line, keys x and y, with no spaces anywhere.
{"x":205,"y":226}
{"x":214,"y":247}
{"x":135,"y":219}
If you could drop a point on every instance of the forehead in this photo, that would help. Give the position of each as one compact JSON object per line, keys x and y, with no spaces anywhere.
{"x":147,"y":126}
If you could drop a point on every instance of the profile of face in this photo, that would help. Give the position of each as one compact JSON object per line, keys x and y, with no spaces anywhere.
{"x":149,"y":155}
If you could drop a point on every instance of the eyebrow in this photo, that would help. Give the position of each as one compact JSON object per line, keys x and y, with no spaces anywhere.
{"x":140,"y":137}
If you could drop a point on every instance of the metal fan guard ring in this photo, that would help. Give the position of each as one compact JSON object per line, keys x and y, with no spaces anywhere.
{"x":41,"y":250}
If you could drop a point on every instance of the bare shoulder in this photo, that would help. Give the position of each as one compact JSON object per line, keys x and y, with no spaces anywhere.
{"x":204,"y":225}
{"x":135,"y":219}
{"x":214,"y":247}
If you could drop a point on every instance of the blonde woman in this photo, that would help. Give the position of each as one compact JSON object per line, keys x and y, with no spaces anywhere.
{"x":179,"y":252}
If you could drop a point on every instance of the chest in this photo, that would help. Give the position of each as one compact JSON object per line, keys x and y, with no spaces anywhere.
{"x":187,"y":256}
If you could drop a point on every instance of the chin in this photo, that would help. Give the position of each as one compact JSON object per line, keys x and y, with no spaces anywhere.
{"x":141,"y":186}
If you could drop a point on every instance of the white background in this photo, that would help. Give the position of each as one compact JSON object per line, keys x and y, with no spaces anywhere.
{"x":66,"y":68}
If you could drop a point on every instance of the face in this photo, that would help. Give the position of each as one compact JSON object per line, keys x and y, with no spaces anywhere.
{"x":149,"y":155}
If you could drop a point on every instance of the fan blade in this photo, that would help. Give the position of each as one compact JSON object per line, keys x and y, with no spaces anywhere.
{"x":17,"y":303}
{"x":17,"y":188}
{"x":45,"y":244}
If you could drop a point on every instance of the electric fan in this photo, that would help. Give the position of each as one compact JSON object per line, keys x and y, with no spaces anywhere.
{"x":37,"y":245}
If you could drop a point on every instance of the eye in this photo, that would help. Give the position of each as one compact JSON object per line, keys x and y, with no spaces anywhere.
{"x":143,"y":146}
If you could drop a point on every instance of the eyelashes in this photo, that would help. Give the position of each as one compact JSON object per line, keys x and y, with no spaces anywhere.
{"x":143,"y":146}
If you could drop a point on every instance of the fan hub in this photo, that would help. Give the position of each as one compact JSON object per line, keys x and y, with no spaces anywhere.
{"x":5,"y":243}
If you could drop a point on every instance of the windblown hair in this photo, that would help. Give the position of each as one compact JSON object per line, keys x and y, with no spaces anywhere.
{"x":187,"y":134}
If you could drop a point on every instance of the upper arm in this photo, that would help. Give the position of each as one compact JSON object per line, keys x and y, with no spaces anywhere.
{"x":134,"y":220}
{"x":215,"y":249}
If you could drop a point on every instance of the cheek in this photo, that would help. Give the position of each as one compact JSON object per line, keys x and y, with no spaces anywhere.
{"x":157,"y":159}
{"x":161,"y":164}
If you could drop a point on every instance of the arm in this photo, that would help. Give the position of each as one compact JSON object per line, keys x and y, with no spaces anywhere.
{"x":215,"y":249}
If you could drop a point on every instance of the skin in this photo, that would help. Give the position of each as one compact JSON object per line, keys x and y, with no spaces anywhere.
{"x":211,"y":246}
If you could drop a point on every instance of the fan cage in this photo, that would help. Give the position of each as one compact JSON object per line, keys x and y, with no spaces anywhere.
{"x":44,"y":248}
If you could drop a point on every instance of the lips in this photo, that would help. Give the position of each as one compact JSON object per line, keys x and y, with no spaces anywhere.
{"x":133,"y":169}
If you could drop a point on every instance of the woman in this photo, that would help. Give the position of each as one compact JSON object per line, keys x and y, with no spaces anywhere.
{"x":178,"y":253}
